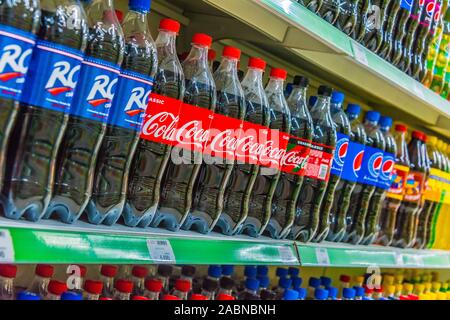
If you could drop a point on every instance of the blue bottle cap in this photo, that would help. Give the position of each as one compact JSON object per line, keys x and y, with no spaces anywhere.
{"x":252,"y":284}
{"x":140,"y":5}
{"x":353,"y":108}
{"x":215,"y":271}
{"x":385,"y":122}
{"x":263,"y":281}
{"x":337,"y":97}
{"x":301,"y":293}
{"x":332,"y":292}
{"x":28,"y":296}
{"x":348,"y":293}
{"x":290,"y":295}
{"x":314,"y":282}
{"x":262,"y":270}
{"x":70,"y":295}
{"x":325,"y":281}
{"x":312,"y":101}
{"x":250,"y":271}
{"x":320,"y":294}
{"x":285,"y":283}
{"x":227,"y":270}
{"x":293,"y":272}
{"x":359,"y":291}
{"x":372,"y":116}
{"x":282,"y":272}
{"x":296,"y":282}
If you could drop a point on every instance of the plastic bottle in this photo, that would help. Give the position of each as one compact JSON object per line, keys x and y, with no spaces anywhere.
{"x":188,"y":273}
{"x":283,"y":285}
{"x":293,"y":272}
{"x":125,"y":119}
{"x":344,"y":282}
{"x":28,"y":296}
{"x":325,"y":282}
{"x":52,"y":74}
{"x":250,"y":291}
{"x":362,"y":14}
{"x":335,"y":184}
{"x":151,"y":158}
{"x":302,"y":292}
{"x":395,"y":193}
{"x":332,"y":293}
{"x":39,"y":284}
{"x":264,"y":292}
{"x":123,"y":289}
{"x":290,"y":294}
{"x":313,"y":5}
{"x":400,"y":29}
{"x":289,"y":185}
{"x":359,"y":293}
{"x":329,"y":10}
{"x":392,"y":9}
{"x":412,"y":200}
{"x":93,"y":289}
{"x":139,"y":273}
{"x":348,"y":16}
{"x":370,"y":171}
{"x":178,"y":188}
{"x":107,"y":274}
{"x":153,"y":289}
{"x":210,"y":284}
{"x":313,"y":190}
{"x":248,"y":188}
{"x":72,"y":295}
{"x":89,"y":113}
{"x":374,"y":21}
{"x":8,"y":273}
{"x":383,"y":184}
{"x":313,"y":284}
{"x":55,"y":290}
{"x":181,"y":289}
{"x":226,"y":283}
{"x":320,"y":294}
{"x":348,"y":294}
{"x":438,"y":74}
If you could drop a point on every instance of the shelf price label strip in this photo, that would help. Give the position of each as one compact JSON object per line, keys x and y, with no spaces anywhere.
{"x":6,"y":247}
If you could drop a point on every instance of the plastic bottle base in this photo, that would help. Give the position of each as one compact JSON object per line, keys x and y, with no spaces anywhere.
{"x":224,"y":226}
{"x":109,"y":217}
{"x":196,"y":223}
{"x":62,"y":213}
{"x":33,"y":211}
{"x":133,"y":219}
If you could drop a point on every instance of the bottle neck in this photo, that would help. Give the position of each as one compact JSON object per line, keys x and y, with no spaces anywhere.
{"x":385,"y":129}
{"x":229,"y":66}
{"x":167,"y":40}
{"x":352,"y":116}
{"x":275,"y":85}
{"x":335,"y":107}
{"x":135,"y":22}
{"x":200,"y":54}
{"x":370,"y":123}
{"x":298,"y":94}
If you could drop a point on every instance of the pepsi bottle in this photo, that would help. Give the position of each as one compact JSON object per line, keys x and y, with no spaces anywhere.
{"x":335,"y":184}
{"x":19,"y":21}
{"x":125,"y":120}
{"x":46,"y":102}
{"x":289,"y":185}
{"x":180,"y":178}
{"x":245,"y":177}
{"x":89,"y":113}
{"x":368,"y":178}
{"x":215,"y":172}
{"x":348,"y":16}
{"x":400,"y":29}
{"x":151,"y":158}
{"x":309,"y":202}
{"x":349,"y":176}
{"x":383,"y":184}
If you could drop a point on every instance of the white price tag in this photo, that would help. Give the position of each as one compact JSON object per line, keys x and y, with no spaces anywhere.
{"x":322,"y":256}
{"x":6,"y":246}
{"x":161,"y":251}
{"x":418,"y":89}
{"x":286,"y":255}
{"x":418,"y":261}
{"x":399,"y":259}
{"x":359,"y":53}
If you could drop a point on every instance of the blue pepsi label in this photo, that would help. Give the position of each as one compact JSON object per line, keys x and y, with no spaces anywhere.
{"x":385,"y":178}
{"x":93,"y":99}
{"x":353,"y":162}
{"x":371,"y":166}
{"x":406,"y":4}
{"x":340,"y":154}
{"x":132,"y":97}
{"x":52,"y":77}
{"x":16,"y":48}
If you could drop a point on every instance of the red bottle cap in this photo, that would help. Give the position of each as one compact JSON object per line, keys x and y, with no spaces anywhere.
{"x":198,"y":297}
{"x":139,"y":298}
{"x":108,"y":270}
{"x":169,"y":25}
{"x":93,"y":287}
{"x":119,"y":15}
{"x":139,"y":271}
{"x":202,"y":39}
{"x":170,"y":297}
{"x":105,"y":298}
{"x":212,"y":54}
{"x":345,"y":278}
{"x":418,"y":135}
{"x":8,"y":270}
{"x":57,"y":287}
{"x":413,"y":297}
{"x":44,"y":270}
{"x":153,"y":285}
{"x":231,"y":52}
{"x":425,"y":138}
{"x":401,"y":128}
{"x":278,"y":73}
{"x":224,"y":296}
{"x":257,"y":63}
{"x":124,"y":286}
{"x":402,"y":297}
{"x":182,"y":285}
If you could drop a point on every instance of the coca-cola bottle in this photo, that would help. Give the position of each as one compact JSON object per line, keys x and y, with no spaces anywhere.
{"x":373,"y":37}
{"x":288,"y":188}
{"x":180,"y":177}
{"x":362,"y":11}
{"x":391,"y":12}
{"x":394,"y":197}
{"x":151,"y":158}
{"x":248,"y":187}
{"x":400,"y":29}
{"x":215,"y":172}
{"x":348,"y":16}
{"x":335,"y":184}
{"x":313,"y":190}
{"x":236,"y":217}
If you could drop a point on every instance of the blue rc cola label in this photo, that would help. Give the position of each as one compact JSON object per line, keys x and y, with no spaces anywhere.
{"x":385,"y":178}
{"x":131,"y":100}
{"x":93,"y":98}
{"x":340,"y":154}
{"x":52,"y":76}
{"x":16,"y":48}
{"x":353,"y":162}
{"x":371,"y":166}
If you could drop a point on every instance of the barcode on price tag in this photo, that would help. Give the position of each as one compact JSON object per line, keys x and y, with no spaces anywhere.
{"x":6,"y":247}
{"x":287,"y":255}
{"x":161,"y":251}
{"x":322,"y":256}
{"x":359,"y":53}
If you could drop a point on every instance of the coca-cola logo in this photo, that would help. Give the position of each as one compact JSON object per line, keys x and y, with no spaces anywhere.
{"x":295,"y":158}
{"x":157,"y":126}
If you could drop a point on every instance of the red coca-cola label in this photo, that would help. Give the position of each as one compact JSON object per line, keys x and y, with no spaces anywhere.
{"x":319,"y":162}
{"x":296,"y":156}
